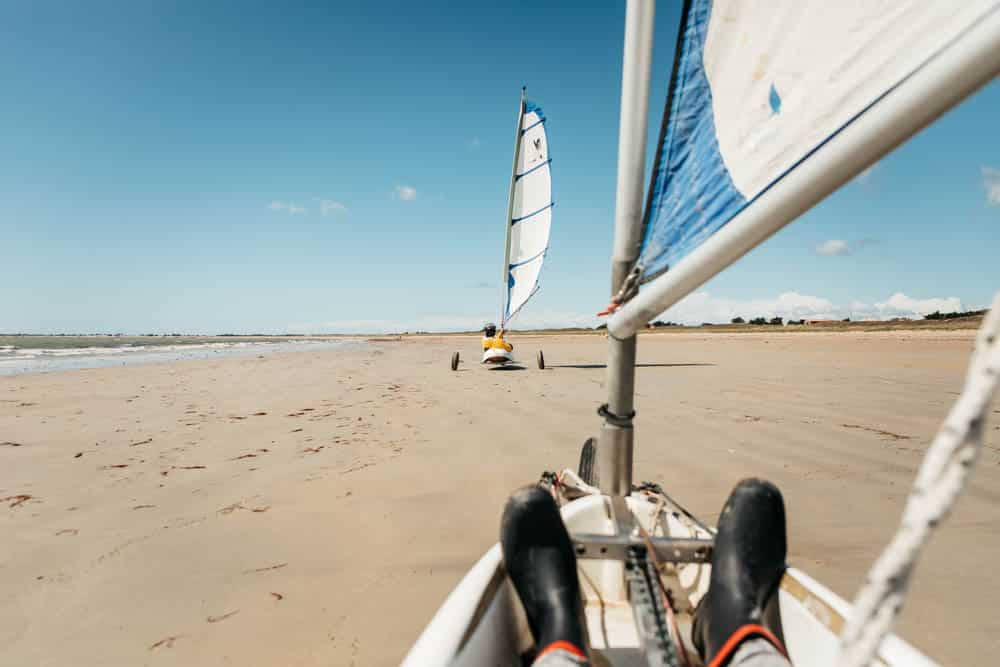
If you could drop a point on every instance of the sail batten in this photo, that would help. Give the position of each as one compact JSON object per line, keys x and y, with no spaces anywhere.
{"x":541,"y":209}
{"x":530,"y":218}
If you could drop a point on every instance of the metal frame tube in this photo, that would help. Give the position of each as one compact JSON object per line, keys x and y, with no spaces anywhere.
{"x":614,"y":452}
{"x":966,"y":65}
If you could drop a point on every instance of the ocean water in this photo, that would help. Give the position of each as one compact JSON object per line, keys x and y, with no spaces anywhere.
{"x":48,"y":354}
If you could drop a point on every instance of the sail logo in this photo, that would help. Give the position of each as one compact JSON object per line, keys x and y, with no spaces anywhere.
{"x":539,"y":153}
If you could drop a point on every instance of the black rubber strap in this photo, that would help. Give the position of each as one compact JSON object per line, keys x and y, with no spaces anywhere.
{"x":613,"y":419}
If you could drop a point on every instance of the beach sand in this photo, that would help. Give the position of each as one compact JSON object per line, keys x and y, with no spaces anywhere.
{"x":315,"y":508}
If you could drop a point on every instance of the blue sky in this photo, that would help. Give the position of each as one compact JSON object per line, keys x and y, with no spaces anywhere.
{"x":214,"y":167}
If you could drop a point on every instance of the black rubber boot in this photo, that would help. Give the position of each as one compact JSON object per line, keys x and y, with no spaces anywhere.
{"x":539,"y":557}
{"x":747,"y":565}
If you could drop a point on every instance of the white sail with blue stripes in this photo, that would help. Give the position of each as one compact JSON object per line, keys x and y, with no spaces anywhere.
{"x":760,"y":89}
{"x":530,"y":211}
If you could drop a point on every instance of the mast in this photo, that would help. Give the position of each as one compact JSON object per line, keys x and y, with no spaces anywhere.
{"x":614,"y":452}
{"x":510,"y":210}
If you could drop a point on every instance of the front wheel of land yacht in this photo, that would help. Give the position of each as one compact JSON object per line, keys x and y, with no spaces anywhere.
{"x":540,"y":358}
{"x":454,"y":361}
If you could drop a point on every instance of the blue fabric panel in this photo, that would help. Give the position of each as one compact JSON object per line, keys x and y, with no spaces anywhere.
{"x":692,"y":195}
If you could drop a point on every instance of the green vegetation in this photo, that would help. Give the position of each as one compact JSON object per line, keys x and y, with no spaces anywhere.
{"x":938,"y":315}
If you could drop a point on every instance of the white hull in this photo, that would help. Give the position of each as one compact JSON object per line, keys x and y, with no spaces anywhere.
{"x":482,"y":623}
{"x":497,"y":356}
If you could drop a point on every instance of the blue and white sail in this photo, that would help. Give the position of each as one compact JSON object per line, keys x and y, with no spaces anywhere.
{"x":773,"y":105}
{"x":530,"y":211}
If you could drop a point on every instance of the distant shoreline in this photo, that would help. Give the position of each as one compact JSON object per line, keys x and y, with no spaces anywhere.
{"x":954,"y":324}
{"x":57,"y":341}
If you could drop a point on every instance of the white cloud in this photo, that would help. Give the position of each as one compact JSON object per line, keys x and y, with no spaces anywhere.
{"x":991,"y":182}
{"x":833,"y":247}
{"x":291,"y":207}
{"x":900,"y":305}
{"x":404,"y":192}
{"x":703,"y":307}
{"x":696,"y":308}
{"x":839,"y":247}
{"x":326,"y":206}
{"x":330,"y":206}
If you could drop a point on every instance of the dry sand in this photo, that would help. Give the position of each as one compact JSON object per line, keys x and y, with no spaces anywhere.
{"x":316,"y":508}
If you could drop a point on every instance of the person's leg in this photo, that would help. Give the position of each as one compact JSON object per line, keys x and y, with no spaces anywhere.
{"x":758,"y":653}
{"x":738,"y":617}
{"x":538,"y":554}
{"x":556,"y":656}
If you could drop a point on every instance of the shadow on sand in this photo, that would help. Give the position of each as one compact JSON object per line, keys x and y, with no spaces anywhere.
{"x":507,"y":367}
{"x":591,"y":366}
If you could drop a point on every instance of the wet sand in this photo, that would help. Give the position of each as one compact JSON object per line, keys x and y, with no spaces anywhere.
{"x":316,"y":508}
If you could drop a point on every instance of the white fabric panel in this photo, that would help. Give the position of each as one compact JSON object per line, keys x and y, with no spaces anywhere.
{"x":525,"y":282}
{"x":825,"y":60}
{"x":532,"y":193}
{"x":530,"y":237}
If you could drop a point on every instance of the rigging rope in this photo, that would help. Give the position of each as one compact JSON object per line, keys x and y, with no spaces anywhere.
{"x":942,"y":475}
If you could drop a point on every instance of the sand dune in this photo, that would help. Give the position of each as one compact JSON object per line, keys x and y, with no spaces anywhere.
{"x":315,"y":508}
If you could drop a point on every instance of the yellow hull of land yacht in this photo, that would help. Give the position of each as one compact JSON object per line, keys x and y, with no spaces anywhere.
{"x":496,"y":350}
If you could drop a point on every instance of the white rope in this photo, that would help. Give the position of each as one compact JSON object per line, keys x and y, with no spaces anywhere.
{"x":942,"y":475}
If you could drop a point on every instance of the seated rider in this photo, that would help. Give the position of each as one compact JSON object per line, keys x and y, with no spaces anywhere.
{"x":491,"y":339}
{"x":737,"y":622}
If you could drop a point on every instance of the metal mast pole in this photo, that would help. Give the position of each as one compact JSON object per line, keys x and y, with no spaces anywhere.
{"x":510,"y":210}
{"x":614,"y":451}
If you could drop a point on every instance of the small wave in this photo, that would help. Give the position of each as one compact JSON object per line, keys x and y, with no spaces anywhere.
{"x":79,"y":351}
{"x":5,"y":359}
{"x":49,"y":360}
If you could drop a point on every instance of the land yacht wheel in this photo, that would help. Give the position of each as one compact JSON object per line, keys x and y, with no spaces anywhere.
{"x":454,"y":361}
{"x":540,"y":358}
